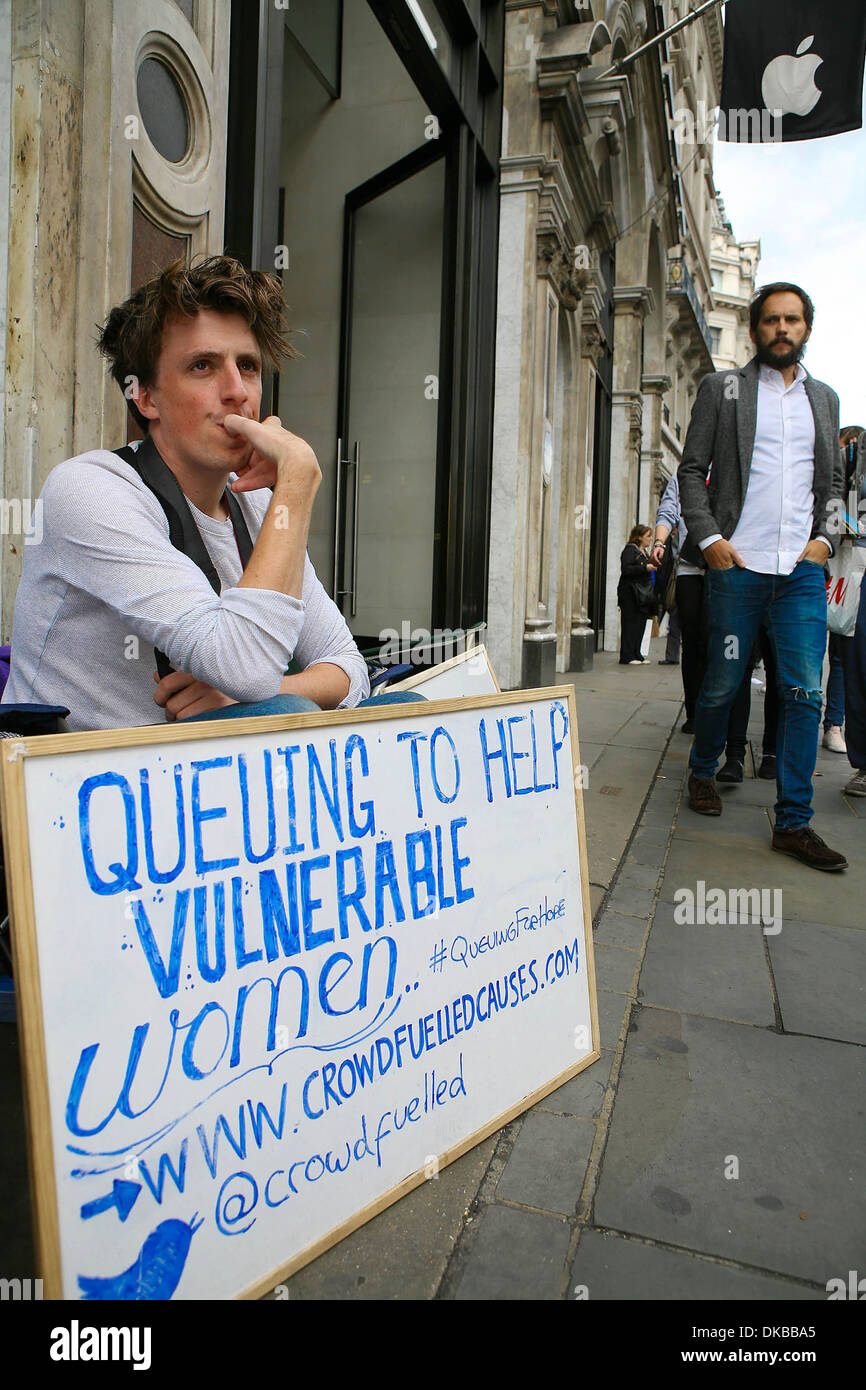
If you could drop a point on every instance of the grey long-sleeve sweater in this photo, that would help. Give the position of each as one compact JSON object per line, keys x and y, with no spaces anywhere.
{"x":104,"y":586}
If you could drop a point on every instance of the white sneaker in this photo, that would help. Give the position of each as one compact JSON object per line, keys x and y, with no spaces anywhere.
{"x":857,"y":785}
{"x":637,"y":662}
{"x":833,"y":740}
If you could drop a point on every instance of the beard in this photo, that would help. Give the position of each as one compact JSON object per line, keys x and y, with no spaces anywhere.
{"x":780,"y":360}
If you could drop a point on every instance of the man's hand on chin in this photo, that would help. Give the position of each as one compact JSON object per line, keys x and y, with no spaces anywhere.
{"x":816,"y":551}
{"x":181,"y":695}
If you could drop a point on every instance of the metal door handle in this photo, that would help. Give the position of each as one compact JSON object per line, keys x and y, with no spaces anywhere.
{"x":357,"y":463}
{"x":337,"y":517}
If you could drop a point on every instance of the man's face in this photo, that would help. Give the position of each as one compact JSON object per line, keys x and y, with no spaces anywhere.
{"x":781,"y":334}
{"x":208,"y":367}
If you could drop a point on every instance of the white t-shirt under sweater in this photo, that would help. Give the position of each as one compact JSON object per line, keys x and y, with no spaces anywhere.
{"x":105,"y":586}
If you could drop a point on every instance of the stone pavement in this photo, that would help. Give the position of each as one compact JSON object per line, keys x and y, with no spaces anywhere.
{"x":716,"y":1150}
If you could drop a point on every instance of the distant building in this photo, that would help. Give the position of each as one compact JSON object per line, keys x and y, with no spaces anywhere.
{"x":734,"y":268}
{"x":604,"y":303}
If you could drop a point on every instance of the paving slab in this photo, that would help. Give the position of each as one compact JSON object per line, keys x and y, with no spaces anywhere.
{"x":744,"y":862}
{"x":665,"y":799}
{"x":584,"y":1094}
{"x":611,"y":803}
{"x":516,"y":1255}
{"x":644,"y":877}
{"x":632,"y":902}
{"x":718,"y":971}
{"x":590,"y":752}
{"x":610,"y":1266}
{"x":611,"y":1012}
{"x":615,"y":929}
{"x":402,"y":1253}
{"x":695,"y":1094}
{"x":648,"y":727}
{"x":599,"y":717}
{"x":746,"y":823}
{"x":651,"y":837}
{"x":616,"y":968}
{"x":646,"y":855}
{"x":658,"y":818}
{"x":820,"y":975}
{"x":547,"y":1165}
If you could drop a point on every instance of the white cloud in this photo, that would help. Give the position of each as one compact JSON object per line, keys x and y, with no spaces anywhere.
{"x":806,"y":203}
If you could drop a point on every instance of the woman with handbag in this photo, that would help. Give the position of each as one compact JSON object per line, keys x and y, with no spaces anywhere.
{"x":635,"y":595}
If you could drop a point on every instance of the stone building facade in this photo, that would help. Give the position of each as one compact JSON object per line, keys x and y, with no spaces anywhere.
{"x":605,"y":293}
{"x":94,"y":205}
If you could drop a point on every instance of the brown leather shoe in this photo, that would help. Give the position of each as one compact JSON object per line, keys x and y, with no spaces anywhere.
{"x":703,"y":796}
{"x":804,"y":844}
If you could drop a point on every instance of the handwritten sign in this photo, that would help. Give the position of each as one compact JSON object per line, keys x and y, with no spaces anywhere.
{"x":275,"y":975}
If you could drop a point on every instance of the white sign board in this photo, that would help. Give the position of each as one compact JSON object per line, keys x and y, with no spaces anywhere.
{"x":274,"y":975}
{"x":469,"y":673}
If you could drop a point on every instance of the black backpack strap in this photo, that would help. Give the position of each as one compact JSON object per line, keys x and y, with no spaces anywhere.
{"x":242,"y":535}
{"x":182,"y":530}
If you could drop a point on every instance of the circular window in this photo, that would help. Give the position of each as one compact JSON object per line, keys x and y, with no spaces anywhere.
{"x":163,"y":109}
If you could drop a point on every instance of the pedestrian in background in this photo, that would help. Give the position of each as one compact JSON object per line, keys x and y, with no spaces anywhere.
{"x":854,"y":647}
{"x":668,"y":523}
{"x":634,"y":595}
{"x":689,"y":597}
{"x":834,"y":704}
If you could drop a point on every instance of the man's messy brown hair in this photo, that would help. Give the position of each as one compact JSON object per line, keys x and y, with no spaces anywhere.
{"x":131,"y":338}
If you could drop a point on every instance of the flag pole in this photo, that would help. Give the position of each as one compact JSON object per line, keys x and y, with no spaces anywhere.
{"x":620,"y":65}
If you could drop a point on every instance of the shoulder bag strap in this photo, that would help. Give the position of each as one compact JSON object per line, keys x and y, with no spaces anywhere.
{"x":182,"y":530}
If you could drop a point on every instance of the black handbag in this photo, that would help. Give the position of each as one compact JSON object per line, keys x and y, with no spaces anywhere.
{"x":644,"y":594}
{"x":666,"y":580}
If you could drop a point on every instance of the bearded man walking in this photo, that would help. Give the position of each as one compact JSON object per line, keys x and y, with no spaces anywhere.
{"x":760,"y":487}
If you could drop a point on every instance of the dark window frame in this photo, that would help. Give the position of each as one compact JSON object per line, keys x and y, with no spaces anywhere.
{"x":470,"y":120}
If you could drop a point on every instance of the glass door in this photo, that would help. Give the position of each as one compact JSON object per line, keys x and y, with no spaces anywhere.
{"x":389,"y":399}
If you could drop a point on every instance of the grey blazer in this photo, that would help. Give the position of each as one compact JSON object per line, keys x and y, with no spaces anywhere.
{"x":722,"y":433}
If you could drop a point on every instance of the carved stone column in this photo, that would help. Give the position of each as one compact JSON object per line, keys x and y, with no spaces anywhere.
{"x":654,"y":387}
{"x":582,"y":632}
{"x":631,"y":304}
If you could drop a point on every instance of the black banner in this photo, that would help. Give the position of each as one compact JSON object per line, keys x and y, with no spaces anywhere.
{"x":793,"y":69}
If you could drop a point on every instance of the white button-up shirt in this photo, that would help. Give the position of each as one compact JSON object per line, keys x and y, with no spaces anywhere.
{"x":775,"y":524}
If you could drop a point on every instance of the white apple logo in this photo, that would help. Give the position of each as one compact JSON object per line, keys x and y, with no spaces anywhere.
{"x":788,"y":84}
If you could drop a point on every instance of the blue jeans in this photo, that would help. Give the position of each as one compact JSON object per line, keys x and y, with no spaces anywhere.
{"x":793,"y":609}
{"x":297,"y":704}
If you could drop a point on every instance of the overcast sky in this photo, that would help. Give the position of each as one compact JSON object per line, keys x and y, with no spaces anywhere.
{"x":806,"y":203}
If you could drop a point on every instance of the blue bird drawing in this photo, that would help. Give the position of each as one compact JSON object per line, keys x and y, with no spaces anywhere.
{"x":155,"y":1274}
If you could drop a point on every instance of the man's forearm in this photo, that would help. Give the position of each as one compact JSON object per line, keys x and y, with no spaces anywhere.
{"x":324,"y":683}
{"x":277,"y":561}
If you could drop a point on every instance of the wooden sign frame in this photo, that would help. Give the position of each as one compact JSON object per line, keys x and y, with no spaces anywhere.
{"x":31,"y":1024}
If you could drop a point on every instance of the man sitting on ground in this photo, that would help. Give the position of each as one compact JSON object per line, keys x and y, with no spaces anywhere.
{"x":106,"y":589}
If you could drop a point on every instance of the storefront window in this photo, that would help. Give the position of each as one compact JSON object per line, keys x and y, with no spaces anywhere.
{"x":433,"y":29}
